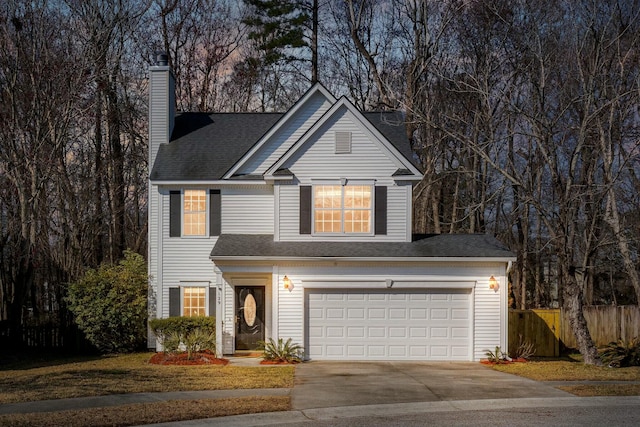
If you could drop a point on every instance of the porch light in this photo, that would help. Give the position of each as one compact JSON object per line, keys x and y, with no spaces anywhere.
{"x":287,"y":283}
{"x":493,"y":284}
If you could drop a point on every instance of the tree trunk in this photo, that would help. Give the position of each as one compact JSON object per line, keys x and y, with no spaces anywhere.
{"x":574,"y":305}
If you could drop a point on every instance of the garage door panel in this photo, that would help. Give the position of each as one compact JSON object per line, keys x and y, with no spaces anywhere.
{"x":439,"y":314}
{"x":413,"y":324}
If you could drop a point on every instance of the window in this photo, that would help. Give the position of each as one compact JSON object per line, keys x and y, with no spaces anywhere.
{"x":342,"y":209}
{"x":194,"y":301}
{"x":194,"y":212}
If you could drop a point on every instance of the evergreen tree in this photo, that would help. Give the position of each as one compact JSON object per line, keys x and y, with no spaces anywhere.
{"x":278,"y":25}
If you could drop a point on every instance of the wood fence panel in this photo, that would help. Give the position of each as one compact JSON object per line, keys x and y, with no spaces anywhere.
{"x":539,"y":327}
{"x":605,"y":323}
{"x":629,"y":322}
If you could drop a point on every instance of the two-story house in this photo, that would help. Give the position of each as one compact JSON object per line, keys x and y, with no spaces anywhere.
{"x":298,"y":225}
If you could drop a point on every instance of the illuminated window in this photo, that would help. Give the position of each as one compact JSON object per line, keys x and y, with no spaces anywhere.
{"x":194,"y":213}
{"x":342,"y":209}
{"x":194,"y":301}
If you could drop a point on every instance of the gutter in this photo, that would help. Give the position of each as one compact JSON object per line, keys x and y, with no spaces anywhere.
{"x":507,"y":260}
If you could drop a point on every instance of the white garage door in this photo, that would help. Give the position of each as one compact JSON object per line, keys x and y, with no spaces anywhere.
{"x":352,"y":324}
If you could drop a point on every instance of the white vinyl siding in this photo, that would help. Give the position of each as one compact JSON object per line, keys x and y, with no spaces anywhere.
{"x":286,"y":136}
{"x":398,"y":217}
{"x":247,"y":210}
{"x":318,"y":159}
{"x":182,"y":259}
{"x":228,"y":320}
{"x":486,"y":315}
{"x":488,"y":318}
{"x":161,"y":110}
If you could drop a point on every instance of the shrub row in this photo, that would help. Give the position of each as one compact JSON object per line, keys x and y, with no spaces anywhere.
{"x":192,"y":334}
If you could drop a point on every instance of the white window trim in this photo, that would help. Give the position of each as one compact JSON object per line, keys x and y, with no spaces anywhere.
{"x":204,"y":285}
{"x":207,"y":203}
{"x":343,"y":182}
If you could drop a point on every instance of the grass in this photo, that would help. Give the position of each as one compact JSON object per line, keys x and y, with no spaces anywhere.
{"x":58,"y":378}
{"x":148,"y":413}
{"x":128,"y":374}
{"x":572,"y":369}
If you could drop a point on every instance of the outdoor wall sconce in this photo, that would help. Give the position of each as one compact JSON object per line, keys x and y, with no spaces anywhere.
{"x":493,"y":284}
{"x":287,"y":283}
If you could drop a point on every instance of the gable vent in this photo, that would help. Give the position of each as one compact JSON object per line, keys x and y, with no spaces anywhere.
{"x":343,"y":142}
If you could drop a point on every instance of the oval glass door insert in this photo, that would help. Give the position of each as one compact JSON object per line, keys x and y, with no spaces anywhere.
{"x":250,"y":310}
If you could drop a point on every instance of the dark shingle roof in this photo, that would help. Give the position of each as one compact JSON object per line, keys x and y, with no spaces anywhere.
{"x":204,"y":146}
{"x":422,"y":246}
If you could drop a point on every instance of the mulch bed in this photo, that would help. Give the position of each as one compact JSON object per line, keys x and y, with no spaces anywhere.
{"x":200,"y":358}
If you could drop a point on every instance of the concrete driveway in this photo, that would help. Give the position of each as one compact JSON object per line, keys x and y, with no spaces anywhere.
{"x":332,"y":384}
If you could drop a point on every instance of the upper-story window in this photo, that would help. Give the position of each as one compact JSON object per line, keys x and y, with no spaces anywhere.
{"x":342,"y":209}
{"x":194,"y":213}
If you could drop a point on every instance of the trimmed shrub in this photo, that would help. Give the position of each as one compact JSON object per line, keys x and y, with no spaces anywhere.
{"x":110,"y":305}
{"x":193,"y":333}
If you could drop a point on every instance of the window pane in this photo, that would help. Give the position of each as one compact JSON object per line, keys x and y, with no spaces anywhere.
{"x":194,"y":301}
{"x":195,"y":213}
{"x":357,"y":221}
{"x":327,"y":221}
{"x":357,"y":196}
{"x":327,"y":196}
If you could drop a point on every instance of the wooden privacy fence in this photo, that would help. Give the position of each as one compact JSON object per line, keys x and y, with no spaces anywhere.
{"x":550,"y":330}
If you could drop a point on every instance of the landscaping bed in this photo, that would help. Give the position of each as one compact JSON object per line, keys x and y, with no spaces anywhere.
{"x":200,"y":358}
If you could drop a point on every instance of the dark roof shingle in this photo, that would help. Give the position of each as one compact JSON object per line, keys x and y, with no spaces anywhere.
{"x":204,"y":146}
{"x":422,"y":246}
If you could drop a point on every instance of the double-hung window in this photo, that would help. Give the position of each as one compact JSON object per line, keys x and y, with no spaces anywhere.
{"x":342,"y":209}
{"x":194,"y":211}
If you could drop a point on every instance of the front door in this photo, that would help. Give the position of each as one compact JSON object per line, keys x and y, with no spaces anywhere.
{"x":249,"y":317}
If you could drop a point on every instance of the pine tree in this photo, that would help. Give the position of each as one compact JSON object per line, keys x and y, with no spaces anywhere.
{"x":278,"y":25}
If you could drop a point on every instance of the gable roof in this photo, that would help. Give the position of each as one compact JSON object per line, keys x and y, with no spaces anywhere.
{"x":437,"y":246}
{"x":379,"y":138}
{"x":317,"y":88}
{"x":204,"y":146}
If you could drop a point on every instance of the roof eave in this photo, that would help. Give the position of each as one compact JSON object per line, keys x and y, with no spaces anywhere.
{"x":362,"y":259}
{"x":206,"y":182}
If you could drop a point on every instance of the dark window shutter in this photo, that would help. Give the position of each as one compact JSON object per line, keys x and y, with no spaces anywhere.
{"x":380,"y":214}
{"x":215,"y":213}
{"x":305,"y":209}
{"x":174,"y":302}
{"x":175,"y":213}
{"x":212,"y":302}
